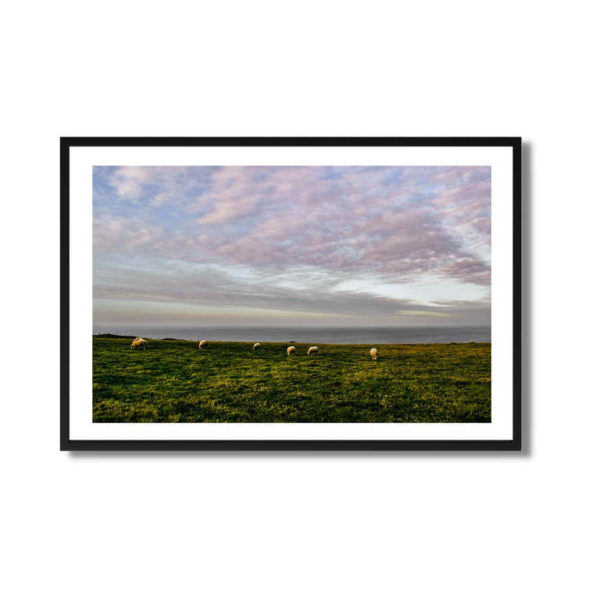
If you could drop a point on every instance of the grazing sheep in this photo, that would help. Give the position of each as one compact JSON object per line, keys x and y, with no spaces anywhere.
{"x":203,"y":344}
{"x":373,"y":353}
{"x":138,"y":343}
{"x":256,"y":346}
{"x":313,"y":350}
{"x":291,"y":350}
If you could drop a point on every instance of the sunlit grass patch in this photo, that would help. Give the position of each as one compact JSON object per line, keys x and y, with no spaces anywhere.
{"x":175,"y":381}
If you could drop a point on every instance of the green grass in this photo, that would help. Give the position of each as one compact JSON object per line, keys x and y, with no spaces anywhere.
{"x":174,"y":381}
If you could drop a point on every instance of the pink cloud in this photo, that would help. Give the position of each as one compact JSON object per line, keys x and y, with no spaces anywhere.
{"x":388,"y":220}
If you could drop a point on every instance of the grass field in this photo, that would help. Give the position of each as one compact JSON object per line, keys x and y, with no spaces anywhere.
{"x":174,"y":381}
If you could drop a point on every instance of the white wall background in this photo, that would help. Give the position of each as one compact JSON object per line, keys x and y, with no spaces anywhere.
{"x":415,"y":526}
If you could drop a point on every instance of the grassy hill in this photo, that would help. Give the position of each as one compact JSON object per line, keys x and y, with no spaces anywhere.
{"x":174,"y":381}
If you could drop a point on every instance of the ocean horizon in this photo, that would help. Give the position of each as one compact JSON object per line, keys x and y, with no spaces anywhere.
{"x":313,"y":335}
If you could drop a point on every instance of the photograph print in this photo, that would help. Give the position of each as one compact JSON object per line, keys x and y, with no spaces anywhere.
{"x":289,"y":302}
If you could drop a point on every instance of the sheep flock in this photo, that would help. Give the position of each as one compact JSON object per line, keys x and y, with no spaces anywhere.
{"x":139,"y":342}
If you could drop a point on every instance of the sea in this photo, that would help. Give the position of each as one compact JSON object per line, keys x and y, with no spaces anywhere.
{"x":316,"y":335}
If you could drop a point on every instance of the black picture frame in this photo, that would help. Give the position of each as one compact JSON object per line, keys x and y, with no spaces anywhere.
{"x":66,"y":443}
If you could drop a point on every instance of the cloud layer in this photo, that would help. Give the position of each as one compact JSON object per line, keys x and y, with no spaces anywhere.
{"x":311,"y":239}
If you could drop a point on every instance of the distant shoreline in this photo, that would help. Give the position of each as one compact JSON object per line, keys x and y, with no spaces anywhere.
{"x":315,"y":334}
{"x":283,"y":342}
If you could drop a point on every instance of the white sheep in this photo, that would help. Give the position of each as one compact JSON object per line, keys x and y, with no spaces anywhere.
{"x":291,"y":350}
{"x":203,"y":344}
{"x":373,"y":353}
{"x":256,"y":346}
{"x":138,"y":343}
{"x":313,"y":350}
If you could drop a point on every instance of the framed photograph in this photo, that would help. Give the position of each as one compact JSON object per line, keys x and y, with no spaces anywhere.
{"x":290,"y":293}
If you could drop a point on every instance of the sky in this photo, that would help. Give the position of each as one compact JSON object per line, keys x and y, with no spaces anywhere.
{"x":291,"y":246}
